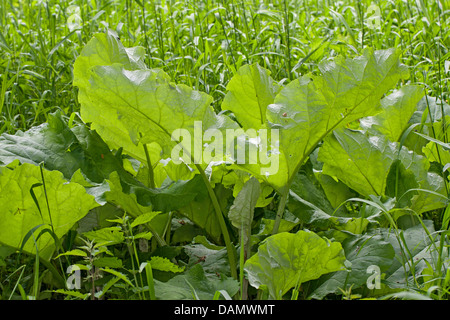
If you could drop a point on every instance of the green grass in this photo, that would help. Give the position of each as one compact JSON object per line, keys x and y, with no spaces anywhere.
{"x":203,"y":43}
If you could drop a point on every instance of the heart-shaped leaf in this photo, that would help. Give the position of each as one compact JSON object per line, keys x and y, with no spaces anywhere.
{"x":286,"y":260}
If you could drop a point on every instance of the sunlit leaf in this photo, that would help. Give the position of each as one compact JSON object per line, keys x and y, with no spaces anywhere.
{"x":286,"y":260}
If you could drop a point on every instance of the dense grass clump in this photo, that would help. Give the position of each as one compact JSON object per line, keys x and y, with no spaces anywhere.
{"x":203,"y":43}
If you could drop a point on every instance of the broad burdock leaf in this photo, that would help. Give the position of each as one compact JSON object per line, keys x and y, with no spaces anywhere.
{"x":68,"y":203}
{"x":436,"y":153}
{"x":106,"y":49}
{"x":363,"y":162}
{"x":286,"y":260}
{"x":397,"y":110}
{"x":336,"y":191}
{"x":309,"y":108}
{"x":77,"y":152}
{"x":61,"y":148}
{"x":309,"y":202}
{"x":310,"y":214}
{"x":372,"y":165}
{"x":400,"y":183}
{"x":363,"y":251}
{"x":250,"y":91}
{"x":428,"y":118}
{"x":431,"y":195}
{"x":129,"y":105}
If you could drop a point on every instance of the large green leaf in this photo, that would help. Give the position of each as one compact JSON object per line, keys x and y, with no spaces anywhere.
{"x":77,"y":152}
{"x":428,"y":111}
{"x":309,"y":201}
{"x":62,"y":148}
{"x":363,"y":162}
{"x":129,"y":105}
{"x":311,"y":107}
{"x":286,"y":260}
{"x":372,"y":165}
{"x":431,"y":195}
{"x":336,"y":191}
{"x":313,"y":216}
{"x":250,"y":91}
{"x":362,"y":251}
{"x":397,"y":110}
{"x":106,"y":49}
{"x":68,"y":203}
{"x":399,"y":183}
